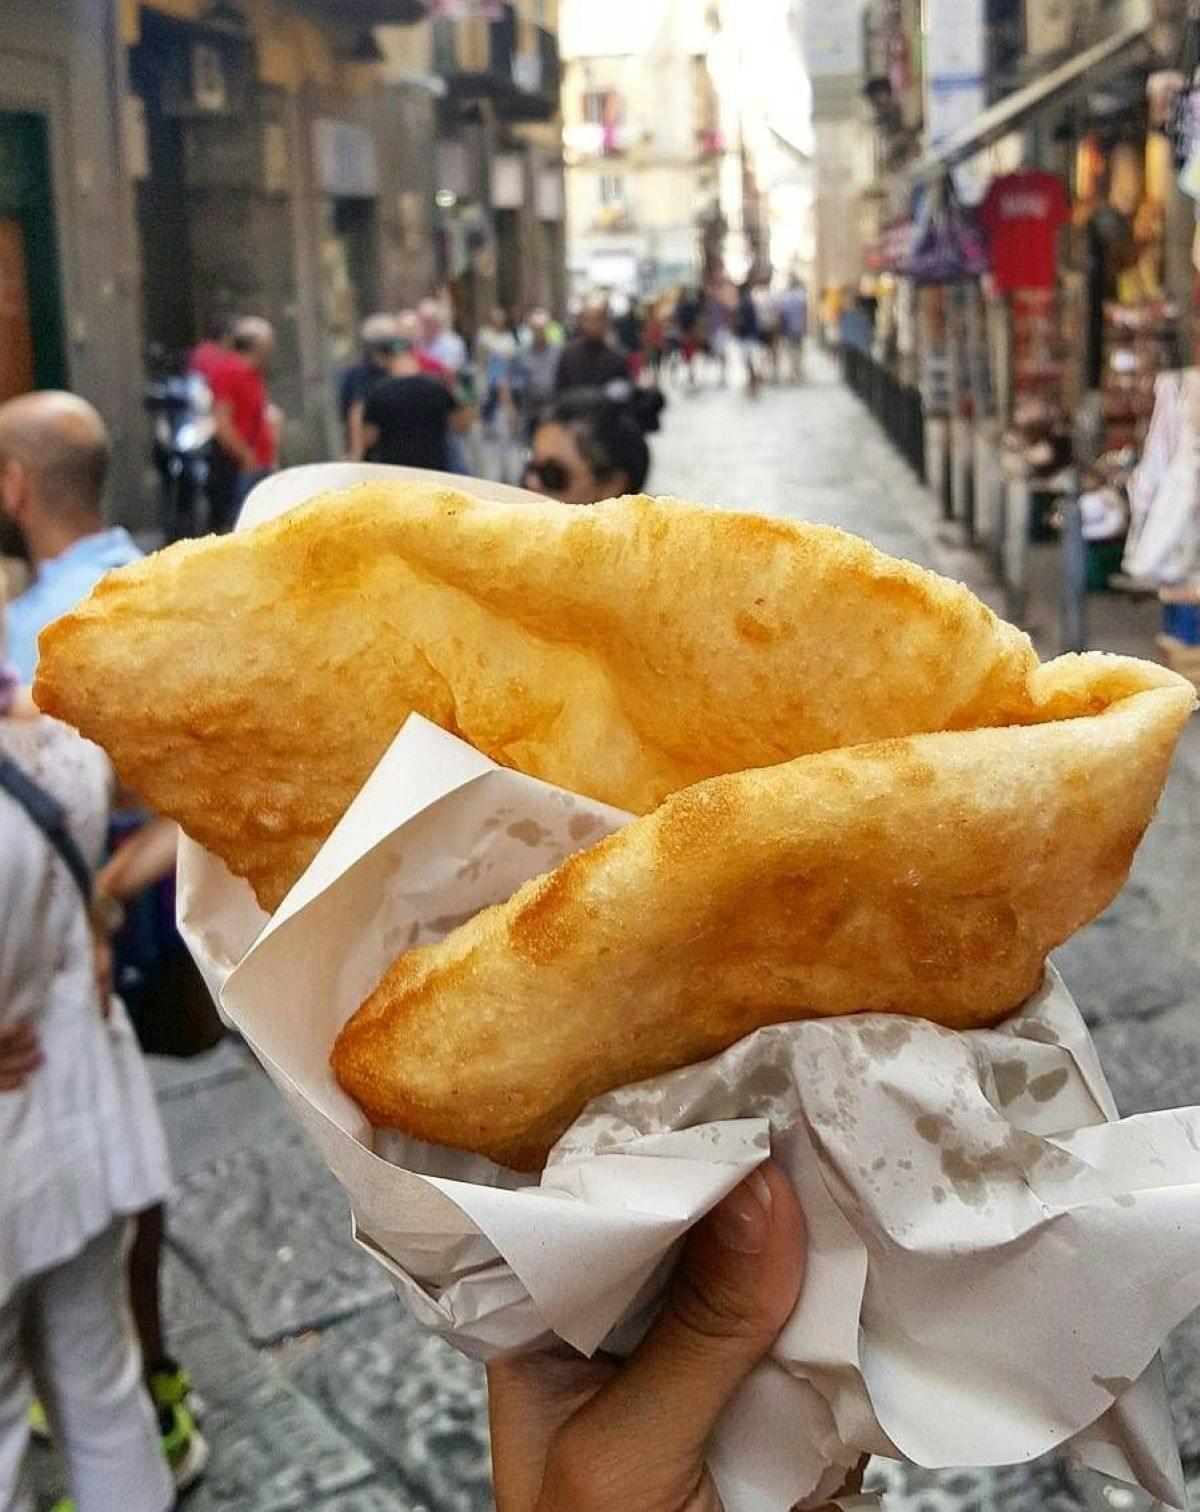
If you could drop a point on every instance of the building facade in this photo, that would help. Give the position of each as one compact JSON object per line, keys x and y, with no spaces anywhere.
{"x":166,"y":163}
{"x":643,"y":143}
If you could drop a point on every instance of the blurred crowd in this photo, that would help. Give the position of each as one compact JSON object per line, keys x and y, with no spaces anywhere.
{"x":562,"y":409}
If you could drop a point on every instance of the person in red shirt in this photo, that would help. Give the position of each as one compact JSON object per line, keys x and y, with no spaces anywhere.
{"x":213,"y":350}
{"x":410,"y":329}
{"x":245,"y":428}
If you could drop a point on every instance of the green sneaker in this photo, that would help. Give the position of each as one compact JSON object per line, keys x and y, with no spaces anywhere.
{"x":38,"y":1425}
{"x":170,"y":1385}
{"x":63,"y":1505}
{"x":183,"y":1445}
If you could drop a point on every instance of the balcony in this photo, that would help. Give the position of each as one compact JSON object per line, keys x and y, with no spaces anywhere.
{"x":365,"y":13}
{"x":480,"y":60}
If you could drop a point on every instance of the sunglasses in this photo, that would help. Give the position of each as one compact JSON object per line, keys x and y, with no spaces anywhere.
{"x":551,"y":474}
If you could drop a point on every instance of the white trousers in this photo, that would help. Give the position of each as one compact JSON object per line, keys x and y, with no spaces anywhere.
{"x":68,"y":1334}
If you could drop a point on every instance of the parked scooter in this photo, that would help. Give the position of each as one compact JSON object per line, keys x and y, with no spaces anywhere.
{"x":180,"y":406}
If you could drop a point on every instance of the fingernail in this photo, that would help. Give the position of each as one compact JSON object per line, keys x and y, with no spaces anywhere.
{"x":743,"y":1221}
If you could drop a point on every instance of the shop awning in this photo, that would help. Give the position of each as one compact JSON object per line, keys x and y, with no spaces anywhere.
{"x":1077,"y":75}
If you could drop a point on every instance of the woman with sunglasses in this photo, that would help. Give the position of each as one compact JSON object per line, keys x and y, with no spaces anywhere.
{"x":588,"y":446}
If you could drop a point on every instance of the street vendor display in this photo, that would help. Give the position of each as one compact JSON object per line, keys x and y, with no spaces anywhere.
{"x":600,"y":852}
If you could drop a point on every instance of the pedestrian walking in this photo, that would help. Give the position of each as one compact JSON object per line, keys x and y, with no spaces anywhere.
{"x":719,"y":301}
{"x":54,"y":455}
{"x":767,"y":306}
{"x":441,"y":343}
{"x":495,"y":351}
{"x":793,"y":319}
{"x":627,"y":329}
{"x":592,"y":360}
{"x":746,"y":329}
{"x":534,"y":371}
{"x":356,"y":382}
{"x":245,"y":422}
{"x":409,"y":419}
{"x":689,"y":311}
{"x":81,"y":1145}
{"x":654,"y":339}
{"x":439,"y":340}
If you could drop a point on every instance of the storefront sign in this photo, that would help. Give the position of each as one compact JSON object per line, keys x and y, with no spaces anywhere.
{"x":956,"y":40}
{"x":346,"y":163}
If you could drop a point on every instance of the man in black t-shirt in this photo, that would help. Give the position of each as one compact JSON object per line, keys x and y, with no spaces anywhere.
{"x":409,"y":416}
{"x":591,"y":360}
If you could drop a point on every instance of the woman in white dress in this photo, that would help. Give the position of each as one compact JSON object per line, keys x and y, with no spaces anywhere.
{"x":81,"y":1150}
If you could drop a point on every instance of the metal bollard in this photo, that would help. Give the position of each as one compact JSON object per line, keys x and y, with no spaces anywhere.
{"x":1074,"y":575}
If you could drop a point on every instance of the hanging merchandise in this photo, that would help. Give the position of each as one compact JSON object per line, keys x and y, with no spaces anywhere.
{"x":1023,"y":215}
{"x":1164,"y":491}
{"x":947,"y":248}
{"x":1090,"y":168}
{"x":1184,"y":126}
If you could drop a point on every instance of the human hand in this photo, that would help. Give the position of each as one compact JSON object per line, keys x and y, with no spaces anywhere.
{"x":20,"y":1055}
{"x":574,"y":1435}
{"x":102,"y":968}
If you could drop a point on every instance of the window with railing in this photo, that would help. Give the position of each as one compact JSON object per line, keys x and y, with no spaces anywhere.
{"x":603,"y":107}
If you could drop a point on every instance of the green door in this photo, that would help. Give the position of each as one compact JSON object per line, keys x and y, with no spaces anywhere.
{"x":32,"y":353}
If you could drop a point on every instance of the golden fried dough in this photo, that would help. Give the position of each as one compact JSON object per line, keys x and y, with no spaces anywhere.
{"x":247,"y":685}
{"x":928,"y":876}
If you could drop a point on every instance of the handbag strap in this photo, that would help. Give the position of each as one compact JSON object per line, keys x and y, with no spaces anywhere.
{"x":50,"y":817}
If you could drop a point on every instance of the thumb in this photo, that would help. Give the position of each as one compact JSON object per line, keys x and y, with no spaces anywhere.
{"x":737,"y":1283}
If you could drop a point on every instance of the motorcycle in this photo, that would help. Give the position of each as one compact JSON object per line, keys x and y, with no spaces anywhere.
{"x":181,"y":410}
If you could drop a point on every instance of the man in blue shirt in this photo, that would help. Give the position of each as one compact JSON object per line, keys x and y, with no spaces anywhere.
{"x":53,"y":465}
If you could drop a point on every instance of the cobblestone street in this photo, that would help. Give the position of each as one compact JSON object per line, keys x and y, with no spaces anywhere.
{"x":320,"y":1393}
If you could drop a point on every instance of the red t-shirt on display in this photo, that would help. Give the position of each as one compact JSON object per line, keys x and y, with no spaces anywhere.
{"x":1022,"y":215}
{"x":234,"y":382}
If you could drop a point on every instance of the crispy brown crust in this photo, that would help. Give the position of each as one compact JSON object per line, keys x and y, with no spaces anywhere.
{"x":928,"y":875}
{"x":247,"y":685}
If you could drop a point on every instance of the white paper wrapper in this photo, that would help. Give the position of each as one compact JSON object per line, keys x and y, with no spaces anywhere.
{"x":994,"y":1258}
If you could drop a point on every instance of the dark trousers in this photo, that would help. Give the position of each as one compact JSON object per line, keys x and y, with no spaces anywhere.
{"x":228,"y":487}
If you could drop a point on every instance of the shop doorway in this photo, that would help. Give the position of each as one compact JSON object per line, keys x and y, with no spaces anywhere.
{"x":163,"y":212}
{"x":32,"y":351}
{"x":508,"y":262}
{"x":348,"y":271}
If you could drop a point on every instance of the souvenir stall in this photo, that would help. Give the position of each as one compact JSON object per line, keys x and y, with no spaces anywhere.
{"x":944,"y":267}
{"x":1162,"y":552}
{"x":1045,"y":330}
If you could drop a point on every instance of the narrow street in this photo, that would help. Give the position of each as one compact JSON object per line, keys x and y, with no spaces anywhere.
{"x":320,"y":1393}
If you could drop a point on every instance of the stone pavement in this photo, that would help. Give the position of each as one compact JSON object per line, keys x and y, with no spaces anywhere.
{"x":321,"y":1393}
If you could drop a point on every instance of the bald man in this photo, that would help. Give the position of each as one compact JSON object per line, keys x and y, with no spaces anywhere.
{"x":54,"y":456}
